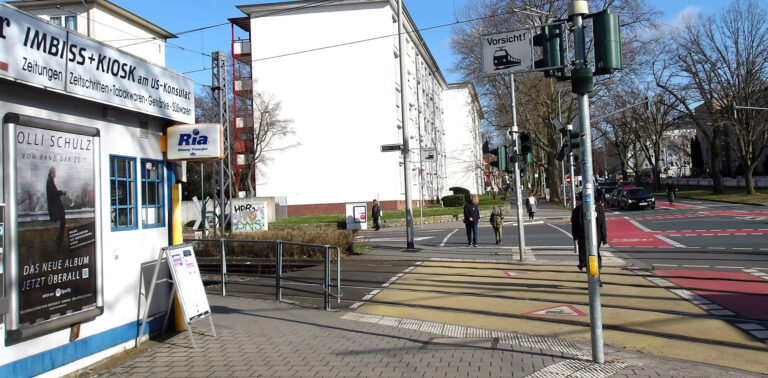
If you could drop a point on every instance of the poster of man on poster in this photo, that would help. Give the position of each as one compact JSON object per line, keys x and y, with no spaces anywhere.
{"x":56,"y":216}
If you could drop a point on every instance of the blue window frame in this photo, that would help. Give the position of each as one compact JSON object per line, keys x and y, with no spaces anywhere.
{"x":152,"y":199}
{"x":122,"y":184}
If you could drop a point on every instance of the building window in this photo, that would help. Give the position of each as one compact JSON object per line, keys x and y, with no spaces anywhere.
{"x":70,"y":22}
{"x":122,"y":185}
{"x":152,"y":199}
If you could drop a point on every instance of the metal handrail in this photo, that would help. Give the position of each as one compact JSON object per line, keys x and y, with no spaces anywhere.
{"x":327,"y":257}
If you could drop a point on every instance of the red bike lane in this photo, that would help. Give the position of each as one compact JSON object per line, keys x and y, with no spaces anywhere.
{"x":741,"y":293}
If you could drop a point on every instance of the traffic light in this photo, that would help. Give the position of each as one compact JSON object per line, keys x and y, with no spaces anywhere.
{"x":525,"y":150}
{"x":607,"y":35}
{"x":501,"y":158}
{"x":733,"y":110}
{"x":573,"y":140}
{"x":647,"y":103}
{"x":550,"y":40}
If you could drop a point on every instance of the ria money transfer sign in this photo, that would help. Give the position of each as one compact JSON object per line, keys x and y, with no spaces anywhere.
{"x":507,"y":52}
{"x":56,"y":223}
{"x":38,"y":53}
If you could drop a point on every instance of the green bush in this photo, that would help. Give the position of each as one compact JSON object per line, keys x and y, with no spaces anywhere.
{"x":341,"y":238}
{"x":454,"y":200}
{"x":459,"y":190}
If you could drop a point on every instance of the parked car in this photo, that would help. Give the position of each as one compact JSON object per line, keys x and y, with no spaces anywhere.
{"x":636,"y":198}
{"x":625,"y":184}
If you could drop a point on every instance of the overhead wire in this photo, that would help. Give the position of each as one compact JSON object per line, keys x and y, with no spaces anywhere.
{"x":372,"y":38}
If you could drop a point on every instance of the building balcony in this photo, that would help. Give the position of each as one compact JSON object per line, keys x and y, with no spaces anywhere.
{"x":243,"y":86}
{"x":244,"y":122}
{"x":243,"y":146}
{"x":241,"y":50}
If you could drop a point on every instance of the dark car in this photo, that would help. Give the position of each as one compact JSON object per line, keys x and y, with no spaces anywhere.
{"x":625,"y":184}
{"x":613,"y":199}
{"x":608,"y":191}
{"x":636,"y":198}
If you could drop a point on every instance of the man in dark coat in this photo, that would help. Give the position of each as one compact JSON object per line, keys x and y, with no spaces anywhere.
{"x":472,"y":220}
{"x":55,"y":207}
{"x":376,"y":213}
{"x":579,"y":230}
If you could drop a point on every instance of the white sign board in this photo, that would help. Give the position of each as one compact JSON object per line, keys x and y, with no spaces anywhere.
{"x":188,"y":282}
{"x":507,"y":52}
{"x":249,"y":216}
{"x":357,"y":217}
{"x":199,"y":141}
{"x":35,"y":52}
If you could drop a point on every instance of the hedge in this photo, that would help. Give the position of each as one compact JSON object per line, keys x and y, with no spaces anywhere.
{"x":454,"y":200}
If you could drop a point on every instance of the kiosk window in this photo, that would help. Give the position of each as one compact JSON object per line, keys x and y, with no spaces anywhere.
{"x":152,"y":203}
{"x":122,"y":184}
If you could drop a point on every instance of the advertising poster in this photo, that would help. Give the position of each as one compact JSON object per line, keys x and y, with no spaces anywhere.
{"x":249,"y":216}
{"x":56,"y":223}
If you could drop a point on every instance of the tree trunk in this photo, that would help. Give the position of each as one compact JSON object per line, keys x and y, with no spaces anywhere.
{"x":749,"y":181}
{"x":554,"y":181}
{"x":714,"y":147}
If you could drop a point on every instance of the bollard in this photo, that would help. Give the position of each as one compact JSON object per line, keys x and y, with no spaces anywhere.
{"x":338,"y":275}
{"x":327,"y":284}
{"x":279,"y":271}
{"x":223,"y":268}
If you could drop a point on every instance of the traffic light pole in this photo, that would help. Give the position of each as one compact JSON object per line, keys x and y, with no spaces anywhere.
{"x":588,"y":190}
{"x":404,"y":123}
{"x":572,"y":173}
{"x":518,"y":189}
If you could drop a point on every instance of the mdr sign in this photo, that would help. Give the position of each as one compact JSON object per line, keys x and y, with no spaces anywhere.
{"x":507,"y":52}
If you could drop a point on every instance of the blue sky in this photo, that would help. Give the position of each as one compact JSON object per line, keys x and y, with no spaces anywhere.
{"x":177,"y":16}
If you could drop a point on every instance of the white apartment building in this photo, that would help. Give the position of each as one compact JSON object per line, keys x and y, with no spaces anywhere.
{"x":335,"y":69}
{"x":463,"y":137}
{"x":106,"y":22}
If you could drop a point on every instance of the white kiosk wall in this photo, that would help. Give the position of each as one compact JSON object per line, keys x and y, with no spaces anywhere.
{"x":130,"y":114}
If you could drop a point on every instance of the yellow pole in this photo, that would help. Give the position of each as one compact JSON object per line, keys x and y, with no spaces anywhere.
{"x":177,"y":238}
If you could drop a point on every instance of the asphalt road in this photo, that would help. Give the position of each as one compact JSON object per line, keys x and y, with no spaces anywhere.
{"x":693,"y":235}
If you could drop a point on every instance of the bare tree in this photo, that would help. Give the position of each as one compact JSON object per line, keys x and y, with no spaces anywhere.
{"x":718,"y":61}
{"x":539,"y":100}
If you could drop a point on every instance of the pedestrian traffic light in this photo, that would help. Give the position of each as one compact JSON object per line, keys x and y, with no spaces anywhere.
{"x":573,"y":140}
{"x":607,"y":35}
{"x":550,"y":40}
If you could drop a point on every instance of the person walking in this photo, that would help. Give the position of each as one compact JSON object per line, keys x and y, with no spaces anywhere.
{"x":497,"y":222}
{"x":472,"y":220}
{"x":55,"y":207}
{"x":579,"y":232}
{"x":376,"y":213}
{"x":530,"y":205}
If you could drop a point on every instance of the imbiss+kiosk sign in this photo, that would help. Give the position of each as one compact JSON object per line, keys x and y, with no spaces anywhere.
{"x":38,"y":53}
{"x":507,"y":52}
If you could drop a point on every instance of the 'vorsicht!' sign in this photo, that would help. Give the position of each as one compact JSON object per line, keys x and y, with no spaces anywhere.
{"x":35,"y":52}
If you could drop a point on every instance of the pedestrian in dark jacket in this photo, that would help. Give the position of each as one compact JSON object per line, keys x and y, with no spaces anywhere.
{"x":376,"y":213}
{"x":579,"y":229}
{"x":472,"y":220}
{"x":55,"y":207}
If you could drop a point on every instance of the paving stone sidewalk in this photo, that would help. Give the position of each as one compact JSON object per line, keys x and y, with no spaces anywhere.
{"x":270,"y":339}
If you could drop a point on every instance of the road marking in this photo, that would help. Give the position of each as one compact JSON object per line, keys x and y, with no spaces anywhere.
{"x":669,"y":241}
{"x":442,"y":244}
{"x":561,"y":230}
{"x":696,"y":266}
{"x":744,"y":249}
{"x":729,"y":267}
{"x":664,"y":265}
{"x":638,"y":225}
